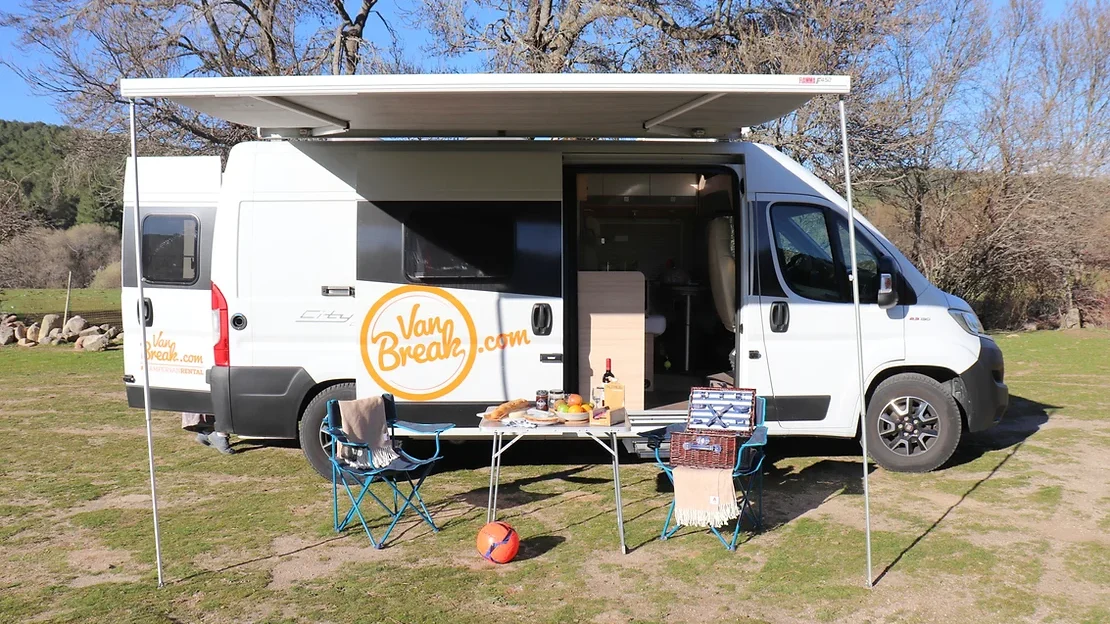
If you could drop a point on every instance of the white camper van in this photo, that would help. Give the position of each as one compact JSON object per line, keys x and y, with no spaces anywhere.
{"x":459,"y":274}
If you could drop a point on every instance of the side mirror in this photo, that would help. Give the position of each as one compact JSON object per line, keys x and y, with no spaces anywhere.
{"x":888,"y":283}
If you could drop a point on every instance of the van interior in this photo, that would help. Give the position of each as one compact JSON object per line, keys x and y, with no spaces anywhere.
{"x":676,"y":228}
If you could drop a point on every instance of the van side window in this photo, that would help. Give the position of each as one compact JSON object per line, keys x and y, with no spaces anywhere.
{"x":456,"y":245}
{"x":170,"y":249}
{"x":805,"y":251}
{"x":867,"y":261}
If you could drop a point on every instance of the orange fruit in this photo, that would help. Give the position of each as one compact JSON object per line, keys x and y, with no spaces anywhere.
{"x":574,"y":399}
{"x":576,"y":409}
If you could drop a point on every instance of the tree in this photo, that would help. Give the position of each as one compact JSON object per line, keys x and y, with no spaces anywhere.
{"x":89,"y":45}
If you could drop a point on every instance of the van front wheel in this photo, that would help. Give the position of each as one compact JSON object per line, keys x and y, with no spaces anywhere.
{"x":913,"y":424}
{"x":312,"y":441}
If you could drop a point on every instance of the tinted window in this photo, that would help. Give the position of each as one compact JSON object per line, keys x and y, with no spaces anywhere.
{"x":454,"y":245}
{"x":499,"y":246}
{"x":867,"y":261}
{"x":805,"y":251}
{"x":170,"y":249}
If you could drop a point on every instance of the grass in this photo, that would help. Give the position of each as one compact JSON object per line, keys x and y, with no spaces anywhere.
{"x":35,"y":302}
{"x":248,"y":537}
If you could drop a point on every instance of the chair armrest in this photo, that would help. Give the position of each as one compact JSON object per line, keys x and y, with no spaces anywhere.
{"x":656,"y":437}
{"x":436,"y":428}
{"x":759,"y":437}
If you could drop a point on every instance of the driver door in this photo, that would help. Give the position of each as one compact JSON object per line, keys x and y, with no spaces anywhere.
{"x":809,"y":331}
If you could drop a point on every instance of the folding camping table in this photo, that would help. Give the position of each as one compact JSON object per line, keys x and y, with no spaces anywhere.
{"x":604,"y":436}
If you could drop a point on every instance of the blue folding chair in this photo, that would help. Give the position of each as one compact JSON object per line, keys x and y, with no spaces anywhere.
{"x":405,"y":468}
{"x":747,"y":474}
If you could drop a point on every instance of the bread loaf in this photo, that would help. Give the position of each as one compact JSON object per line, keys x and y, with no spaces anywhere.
{"x":507,"y":408}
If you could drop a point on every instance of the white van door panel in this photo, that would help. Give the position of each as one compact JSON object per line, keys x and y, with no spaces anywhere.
{"x":296,"y":279}
{"x":459,"y":302}
{"x":809,"y":329}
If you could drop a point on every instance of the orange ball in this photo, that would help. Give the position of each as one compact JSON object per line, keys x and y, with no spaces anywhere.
{"x":498,"y":542}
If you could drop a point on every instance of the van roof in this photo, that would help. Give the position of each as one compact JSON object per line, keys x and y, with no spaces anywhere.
{"x":494,"y":105}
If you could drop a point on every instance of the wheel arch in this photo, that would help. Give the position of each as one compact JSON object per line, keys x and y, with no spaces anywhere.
{"x":946,"y":377}
{"x":313,"y":392}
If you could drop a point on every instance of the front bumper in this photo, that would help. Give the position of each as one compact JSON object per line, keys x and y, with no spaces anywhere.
{"x":981,"y":389}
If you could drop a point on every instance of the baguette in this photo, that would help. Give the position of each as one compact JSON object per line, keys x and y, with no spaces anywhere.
{"x":505,"y":409}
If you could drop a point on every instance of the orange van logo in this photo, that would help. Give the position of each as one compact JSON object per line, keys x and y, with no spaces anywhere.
{"x":419,"y":342}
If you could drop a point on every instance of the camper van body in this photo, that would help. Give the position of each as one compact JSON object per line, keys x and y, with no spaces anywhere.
{"x":300,"y":279}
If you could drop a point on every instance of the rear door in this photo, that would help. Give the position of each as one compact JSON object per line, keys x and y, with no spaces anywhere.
{"x":808,"y":324}
{"x":177,"y":200}
{"x":463,"y":302}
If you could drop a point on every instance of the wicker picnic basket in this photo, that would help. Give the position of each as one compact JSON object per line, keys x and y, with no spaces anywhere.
{"x":703,"y":449}
{"x":717,"y":420}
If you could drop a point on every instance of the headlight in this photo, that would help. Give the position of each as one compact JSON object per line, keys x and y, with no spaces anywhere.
{"x":968,"y":321}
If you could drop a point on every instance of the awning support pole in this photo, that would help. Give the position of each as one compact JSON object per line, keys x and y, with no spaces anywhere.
{"x":859,"y":332}
{"x":685,"y":108}
{"x":142,"y":328}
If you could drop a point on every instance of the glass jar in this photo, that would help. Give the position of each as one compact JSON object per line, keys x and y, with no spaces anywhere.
{"x":555,"y":396}
{"x":541,"y":400}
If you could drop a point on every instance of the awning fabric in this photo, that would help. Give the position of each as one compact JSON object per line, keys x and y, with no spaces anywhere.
{"x":491,"y":105}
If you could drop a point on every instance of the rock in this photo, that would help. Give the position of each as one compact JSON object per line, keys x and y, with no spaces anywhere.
{"x":50,"y":322}
{"x":80,"y":342}
{"x":27,"y":343}
{"x":105,"y":327}
{"x":54,"y":333}
{"x":20,"y":331}
{"x":33,"y":332}
{"x":1072,"y":320}
{"x":118,"y":340}
{"x":7,"y":335}
{"x":92,"y":331}
{"x":112,"y":332}
{"x":75,"y":325}
{"x":94,"y":343}
{"x":8,"y":320}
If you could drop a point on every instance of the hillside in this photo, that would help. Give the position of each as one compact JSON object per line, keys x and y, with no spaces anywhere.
{"x":48,"y":184}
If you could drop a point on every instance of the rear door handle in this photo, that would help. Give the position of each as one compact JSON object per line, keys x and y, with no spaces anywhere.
{"x":780,"y":317}
{"x":337,"y":291}
{"x":551,"y":357}
{"x":145,"y":312}
{"x":541,"y":319}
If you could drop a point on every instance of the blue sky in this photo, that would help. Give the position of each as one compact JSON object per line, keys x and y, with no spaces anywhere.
{"x":17,"y":102}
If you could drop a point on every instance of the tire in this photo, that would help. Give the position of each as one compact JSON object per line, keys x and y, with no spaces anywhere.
{"x":311,"y":421}
{"x":913,"y":424}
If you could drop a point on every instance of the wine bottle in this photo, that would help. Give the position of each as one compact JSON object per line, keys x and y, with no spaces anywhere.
{"x":608,"y":376}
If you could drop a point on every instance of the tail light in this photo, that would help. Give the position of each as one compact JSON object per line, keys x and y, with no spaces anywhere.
{"x":221,"y":350}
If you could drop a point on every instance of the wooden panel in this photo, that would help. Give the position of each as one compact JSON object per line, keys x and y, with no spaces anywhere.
{"x":611,"y":325}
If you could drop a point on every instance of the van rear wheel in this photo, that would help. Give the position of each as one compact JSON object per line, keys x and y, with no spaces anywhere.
{"x":312,"y":420}
{"x":913,"y":424}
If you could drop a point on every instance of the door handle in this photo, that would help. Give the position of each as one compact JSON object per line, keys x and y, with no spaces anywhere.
{"x":780,"y":317}
{"x":551,"y":357}
{"x":145,"y":312}
{"x":541,"y":319}
{"x":337,"y":291}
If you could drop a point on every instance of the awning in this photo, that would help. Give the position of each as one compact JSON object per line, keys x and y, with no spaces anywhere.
{"x":491,"y":105}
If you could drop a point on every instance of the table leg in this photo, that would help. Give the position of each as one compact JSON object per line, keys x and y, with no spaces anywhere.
{"x":617,"y":491}
{"x":494,"y":460}
{"x":687,"y":368}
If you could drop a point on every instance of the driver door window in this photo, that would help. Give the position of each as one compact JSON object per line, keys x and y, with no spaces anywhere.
{"x":867,"y":261}
{"x":805,"y":251}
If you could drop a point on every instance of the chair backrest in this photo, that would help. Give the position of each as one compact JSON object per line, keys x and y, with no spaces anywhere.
{"x":335,"y":417}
